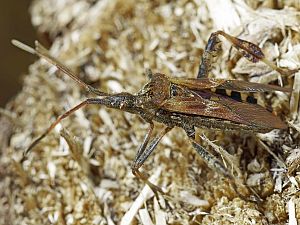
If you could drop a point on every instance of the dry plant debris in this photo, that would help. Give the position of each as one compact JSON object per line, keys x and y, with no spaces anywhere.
{"x":83,"y":176}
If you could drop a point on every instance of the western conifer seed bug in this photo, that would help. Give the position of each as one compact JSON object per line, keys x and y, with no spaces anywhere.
{"x":185,"y":102}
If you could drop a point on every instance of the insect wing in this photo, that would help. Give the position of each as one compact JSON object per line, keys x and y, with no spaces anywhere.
{"x":224,"y":108}
{"x":234,"y":85}
{"x":200,"y":106}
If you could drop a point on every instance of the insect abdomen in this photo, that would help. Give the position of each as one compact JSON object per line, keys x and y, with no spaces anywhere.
{"x":237,"y":96}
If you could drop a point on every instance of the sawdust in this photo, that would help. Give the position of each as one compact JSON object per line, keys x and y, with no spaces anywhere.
{"x":83,"y":176}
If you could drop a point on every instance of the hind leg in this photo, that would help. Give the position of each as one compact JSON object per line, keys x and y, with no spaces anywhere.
{"x":249,"y":50}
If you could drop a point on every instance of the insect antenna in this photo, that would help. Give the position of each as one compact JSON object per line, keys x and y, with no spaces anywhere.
{"x":60,"y":118}
{"x":42,"y":52}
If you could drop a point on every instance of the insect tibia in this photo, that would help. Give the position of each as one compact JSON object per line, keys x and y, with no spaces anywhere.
{"x":282,"y":71}
{"x":249,"y":50}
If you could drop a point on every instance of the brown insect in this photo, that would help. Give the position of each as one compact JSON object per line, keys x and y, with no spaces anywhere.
{"x":185,"y":103}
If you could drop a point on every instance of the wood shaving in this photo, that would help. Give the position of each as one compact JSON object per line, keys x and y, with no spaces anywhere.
{"x":85,"y":177}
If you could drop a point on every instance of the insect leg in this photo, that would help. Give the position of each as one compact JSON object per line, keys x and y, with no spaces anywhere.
{"x":212,"y":50}
{"x":211,"y":160}
{"x":252,"y":52}
{"x":215,"y":164}
{"x":145,"y":141}
{"x":143,"y":153}
{"x":60,"y":118}
{"x":43,"y":53}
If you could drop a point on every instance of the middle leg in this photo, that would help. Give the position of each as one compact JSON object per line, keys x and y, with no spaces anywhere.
{"x":215,"y":164}
{"x":211,"y":160}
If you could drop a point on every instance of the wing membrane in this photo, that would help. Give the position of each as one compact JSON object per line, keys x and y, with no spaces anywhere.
{"x":253,"y":113}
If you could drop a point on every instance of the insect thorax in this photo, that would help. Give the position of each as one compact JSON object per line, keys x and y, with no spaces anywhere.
{"x":154,"y":93}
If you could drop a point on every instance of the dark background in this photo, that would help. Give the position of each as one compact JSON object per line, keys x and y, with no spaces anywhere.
{"x":15,"y":23}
